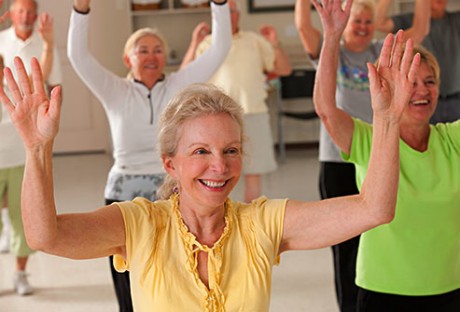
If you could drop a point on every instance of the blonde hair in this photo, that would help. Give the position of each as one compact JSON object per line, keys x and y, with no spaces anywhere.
{"x":359,"y":5}
{"x":195,"y":101}
{"x":141,"y":33}
{"x":429,"y":59}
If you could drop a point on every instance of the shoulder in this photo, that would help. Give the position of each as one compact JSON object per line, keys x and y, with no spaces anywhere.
{"x":139,"y":208}
{"x":449,"y":133}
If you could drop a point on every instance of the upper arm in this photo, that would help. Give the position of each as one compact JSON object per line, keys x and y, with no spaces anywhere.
{"x":310,"y":225}
{"x":90,"y":235}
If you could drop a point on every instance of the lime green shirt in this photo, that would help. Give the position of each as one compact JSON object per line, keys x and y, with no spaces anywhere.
{"x":418,"y":253}
{"x":161,"y":257}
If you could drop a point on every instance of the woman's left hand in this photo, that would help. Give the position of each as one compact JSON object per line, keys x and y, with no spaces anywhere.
{"x":34,"y":115}
{"x":391,"y":83}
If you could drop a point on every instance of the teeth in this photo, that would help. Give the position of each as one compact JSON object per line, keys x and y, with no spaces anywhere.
{"x":420,"y":102}
{"x":213,"y":183}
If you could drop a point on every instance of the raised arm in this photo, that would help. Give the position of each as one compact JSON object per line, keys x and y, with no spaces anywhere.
{"x":199,"y":33}
{"x":338,"y":123}
{"x":282,"y":64}
{"x":309,"y":35}
{"x":328,"y":222}
{"x":46,"y":31}
{"x":86,"y":235}
{"x":420,"y":23}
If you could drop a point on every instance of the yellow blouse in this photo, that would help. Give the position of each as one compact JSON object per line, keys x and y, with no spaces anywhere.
{"x":162,"y":257}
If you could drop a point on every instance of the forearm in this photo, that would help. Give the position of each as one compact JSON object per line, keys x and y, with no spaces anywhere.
{"x":189,"y":55}
{"x":37,"y":199}
{"x":282,"y":64}
{"x":421,"y":22}
{"x":46,"y":59}
{"x":383,"y":22}
{"x":337,"y":122}
{"x":309,"y":36}
{"x":380,"y":187}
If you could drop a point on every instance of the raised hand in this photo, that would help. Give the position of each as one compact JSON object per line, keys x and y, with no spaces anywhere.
{"x":391,"y":84}
{"x":200,"y":32}
{"x":269,"y":33}
{"x":5,"y":16}
{"x":334,"y":18}
{"x":35,"y":116}
{"x":46,"y":28}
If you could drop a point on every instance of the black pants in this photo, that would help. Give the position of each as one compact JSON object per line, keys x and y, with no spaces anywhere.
{"x":369,"y":301}
{"x":121,"y":283}
{"x":338,"y":179}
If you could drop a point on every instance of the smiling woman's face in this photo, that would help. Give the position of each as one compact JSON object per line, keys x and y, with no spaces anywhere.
{"x":424,"y":96}
{"x":208,"y":160}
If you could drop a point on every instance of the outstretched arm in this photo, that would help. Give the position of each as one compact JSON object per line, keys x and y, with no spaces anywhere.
{"x":337,"y":122}
{"x":328,"y":222}
{"x":282,"y":63}
{"x":420,"y":24}
{"x":309,"y":35}
{"x":36,"y":118}
{"x":199,"y":33}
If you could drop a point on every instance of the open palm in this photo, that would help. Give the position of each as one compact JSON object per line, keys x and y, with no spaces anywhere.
{"x":391,"y":84}
{"x":35,"y":117}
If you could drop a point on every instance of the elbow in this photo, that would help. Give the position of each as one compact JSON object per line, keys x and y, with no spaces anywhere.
{"x":385,"y":215}
{"x":39,"y":242}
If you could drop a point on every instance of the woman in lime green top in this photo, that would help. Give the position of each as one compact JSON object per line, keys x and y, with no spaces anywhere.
{"x":413,"y":263}
{"x":198,"y":250}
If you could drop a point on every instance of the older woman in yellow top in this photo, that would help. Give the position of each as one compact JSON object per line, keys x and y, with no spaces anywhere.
{"x":198,"y":250}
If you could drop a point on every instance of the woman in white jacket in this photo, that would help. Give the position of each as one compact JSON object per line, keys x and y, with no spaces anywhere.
{"x":134,"y":104}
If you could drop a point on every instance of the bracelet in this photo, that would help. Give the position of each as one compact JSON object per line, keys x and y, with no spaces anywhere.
{"x":81,"y":12}
{"x":219,"y":3}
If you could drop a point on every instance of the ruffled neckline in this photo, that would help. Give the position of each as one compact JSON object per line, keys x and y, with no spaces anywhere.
{"x":214,"y":299}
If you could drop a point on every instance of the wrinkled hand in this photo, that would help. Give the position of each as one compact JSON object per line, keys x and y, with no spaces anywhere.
{"x":391,"y":84}
{"x":333,"y":18}
{"x":269,"y":33}
{"x":35,"y":116}
{"x":46,"y":28}
{"x":200,"y":32}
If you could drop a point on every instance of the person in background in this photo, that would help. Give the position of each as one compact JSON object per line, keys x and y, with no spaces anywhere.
{"x":337,"y":178}
{"x":12,"y":161}
{"x":198,"y":250}
{"x":134,"y":104}
{"x":401,"y":266}
{"x":24,"y":40}
{"x":443,"y":40}
{"x":243,"y":77}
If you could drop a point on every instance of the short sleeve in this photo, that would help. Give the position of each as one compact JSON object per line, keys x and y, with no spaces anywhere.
{"x":361,"y":144}
{"x":451,"y":133}
{"x":268,"y":217}
{"x":267,"y":53}
{"x":140,"y":230}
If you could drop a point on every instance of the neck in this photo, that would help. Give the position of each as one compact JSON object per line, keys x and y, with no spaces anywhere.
{"x":438,"y":14}
{"x":23,"y":35}
{"x":207,"y":226}
{"x":416,"y":137}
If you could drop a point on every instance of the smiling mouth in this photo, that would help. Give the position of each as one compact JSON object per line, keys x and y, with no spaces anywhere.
{"x":420,"y":102}
{"x":213,"y":184}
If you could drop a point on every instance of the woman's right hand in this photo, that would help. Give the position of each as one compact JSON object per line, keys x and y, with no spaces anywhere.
{"x":334,"y":18}
{"x":35,"y":117}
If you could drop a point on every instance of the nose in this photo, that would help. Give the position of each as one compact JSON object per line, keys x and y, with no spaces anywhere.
{"x":219,"y":164}
{"x":420,"y":88}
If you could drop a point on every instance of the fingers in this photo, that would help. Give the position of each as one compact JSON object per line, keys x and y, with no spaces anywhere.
{"x":55,"y":102}
{"x":6,"y":100}
{"x":407,"y":57}
{"x":347,"y":9}
{"x":385,"y":53}
{"x":397,"y":50}
{"x":414,"y":67}
{"x":37,"y":78}
{"x":374,"y":79}
{"x":12,"y":85}
{"x":23,"y":77}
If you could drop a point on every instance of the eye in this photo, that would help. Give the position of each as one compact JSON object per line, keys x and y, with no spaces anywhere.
{"x":158,"y":51}
{"x":232,"y":151}
{"x":430,"y":82}
{"x":200,"y":151}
